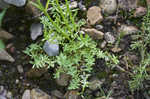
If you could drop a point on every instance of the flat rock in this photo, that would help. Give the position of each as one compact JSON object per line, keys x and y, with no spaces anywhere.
{"x":128,"y":4}
{"x":26,"y":94}
{"x":140,"y":11}
{"x":72,"y":95}
{"x":94,"y":15}
{"x":52,"y":49}
{"x":95,"y":34}
{"x":108,"y":6}
{"x":127,"y":30}
{"x":36,"y":30}
{"x":39,"y":94}
{"x":5,"y":56}
{"x":5,"y":35}
{"x":57,"y":93}
{"x":3,"y":5}
{"x":18,"y":3}
{"x":63,"y":80}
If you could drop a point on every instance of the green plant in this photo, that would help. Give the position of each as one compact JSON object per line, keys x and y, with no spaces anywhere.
{"x":2,"y":16}
{"x":78,"y":50}
{"x":141,"y":44}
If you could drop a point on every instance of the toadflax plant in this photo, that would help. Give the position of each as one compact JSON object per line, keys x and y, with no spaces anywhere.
{"x":78,"y":50}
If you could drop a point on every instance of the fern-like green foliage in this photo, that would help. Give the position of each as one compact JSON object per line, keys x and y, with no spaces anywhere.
{"x":2,"y":16}
{"x":78,"y":50}
{"x":141,"y":44}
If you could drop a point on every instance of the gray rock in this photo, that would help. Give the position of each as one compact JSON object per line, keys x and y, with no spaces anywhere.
{"x":99,"y":27}
{"x":20,"y":69}
{"x":108,"y":6}
{"x":3,"y":5}
{"x":26,"y":94}
{"x":140,"y":11}
{"x":73,"y":5}
{"x":52,"y":49}
{"x":63,"y":80}
{"x":127,"y":30}
{"x":39,"y":94}
{"x":128,"y":4}
{"x":94,"y":15}
{"x":95,"y":83}
{"x":5,"y":35}
{"x":9,"y":95}
{"x":5,"y":56}
{"x":103,"y":44}
{"x":95,"y":34}
{"x":109,"y":37}
{"x":1,"y":89}
{"x":2,"y":97}
{"x":36,"y":30}
{"x":57,"y":93}
{"x":18,"y":3}
{"x":81,"y":6}
{"x":72,"y":95}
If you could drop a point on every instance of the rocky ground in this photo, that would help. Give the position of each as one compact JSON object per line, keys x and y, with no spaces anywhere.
{"x":105,"y":21}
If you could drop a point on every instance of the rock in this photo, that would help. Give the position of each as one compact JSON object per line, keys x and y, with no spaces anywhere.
{"x":35,"y":73}
{"x":140,"y":11}
{"x":1,"y":89}
{"x":5,"y":56}
{"x":148,"y":2}
{"x":127,"y":30}
{"x":94,"y":15}
{"x":2,"y":97}
{"x":73,"y":5}
{"x":52,"y":49}
{"x":127,"y":4}
{"x":36,"y":30}
{"x":31,"y":9}
{"x":116,"y":49}
{"x":57,"y":93}
{"x":95,"y":34}
{"x":39,"y":94}
{"x":108,"y":6}
{"x":99,"y":27}
{"x":63,"y":80}
{"x":9,"y":95}
{"x":20,"y":69}
{"x":5,"y":35}
{"x":26,"y":94}
{"x":95,"y":83}
{"x":3,"y":5}
{"x":109,"y":37}
{"x":103,"y":44}
{"x":72,"y":95}
{"x":81,"y":6}
{"x":18,"y":3}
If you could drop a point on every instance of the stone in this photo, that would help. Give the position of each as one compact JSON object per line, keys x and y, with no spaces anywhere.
{"x":39,"y":94}
{"x":3,"y":5}
{"x":52,"y":49}
{"x":94,"y":15}
{"x":2,"y":97}
{"x":99,"y":27}
{"x":81,"y":6}
{"x":128,"y":30}
{"x":5,"y":56}
{"x":72,"y":95}
{"x":5,"y":35}
{"x":31,"y":9}
{"x":109,"y":37}
{"x":18,"y":3}
{"x":36,"y":30}
{"x":140,"y":11}
{"x":63,"y":80}
{"x":108,"y":6}
{"x":116,"y":49}
{"x":148,"y":2}
{"x":35,"y":72}
{"x":95,"y":34}
{"x":73,"y":5}
{"x":95,"y":83}
{"x":9,"y":95}
{"x":20,"y":69}
{"x":103,"y":44}
{"x":26,"y":94}
{"x":57,"y":93}
{"x":127,"y":4}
